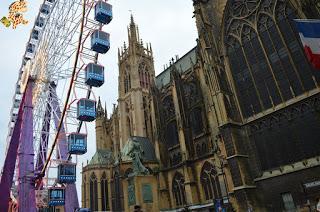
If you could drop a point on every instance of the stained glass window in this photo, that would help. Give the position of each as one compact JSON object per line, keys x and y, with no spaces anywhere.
{"x":178,"y":189}
{"x":210,"y":182}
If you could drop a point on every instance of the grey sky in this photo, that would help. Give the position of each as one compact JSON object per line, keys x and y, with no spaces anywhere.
{"x":167,"y":24}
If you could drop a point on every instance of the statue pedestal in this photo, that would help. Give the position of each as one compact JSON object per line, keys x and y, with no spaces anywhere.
{"x":141,"y":190}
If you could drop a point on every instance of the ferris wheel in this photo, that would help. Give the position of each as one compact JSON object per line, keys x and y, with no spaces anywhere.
{"x":52,"y":104}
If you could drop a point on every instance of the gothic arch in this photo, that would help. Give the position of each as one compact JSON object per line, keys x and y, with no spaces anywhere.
{"x":196,"y":120}
{"x":267,"y":63}
{"x":93,"y":192}
{"x":168,"y":107}
{"x":117,"y":195}
{"x":178,"y":189}
{"x":144,"y":75}
{"x":210,"y":182}
{"x":104,"y":192}
{"x":127,"y":79}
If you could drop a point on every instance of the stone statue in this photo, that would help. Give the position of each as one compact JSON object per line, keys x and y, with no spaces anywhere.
{"x":135,"y":151}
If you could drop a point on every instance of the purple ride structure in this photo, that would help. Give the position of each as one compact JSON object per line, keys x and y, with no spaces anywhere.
{"x":47,"y":129}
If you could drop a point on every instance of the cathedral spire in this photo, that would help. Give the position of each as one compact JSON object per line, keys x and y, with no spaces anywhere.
{"x":133,"y":32}
{"x":100,"y":111}
{"x":132,"y":20}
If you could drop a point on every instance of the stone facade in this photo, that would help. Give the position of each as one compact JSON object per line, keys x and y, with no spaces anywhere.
{"x":234,"y":122}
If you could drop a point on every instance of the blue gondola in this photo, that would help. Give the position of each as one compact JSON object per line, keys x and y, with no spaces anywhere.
{"x":35,"y":34}
{"x":100,"y":41}
{"x":103,"y":12}
{"x":56,"y":197}
{"x":86,"y":110}
{"x":94,"y":75}
{"x":77,"y":143}
{"x":40,"y":22}
{"x":30,"y":48}
{"x":66,"y":173}
{"x":45,"y":9}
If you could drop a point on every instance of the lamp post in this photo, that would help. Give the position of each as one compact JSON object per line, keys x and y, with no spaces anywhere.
{"x":222,"y":162}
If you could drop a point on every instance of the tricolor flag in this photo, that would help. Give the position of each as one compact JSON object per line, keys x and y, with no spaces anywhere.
{"x":309,"y":31}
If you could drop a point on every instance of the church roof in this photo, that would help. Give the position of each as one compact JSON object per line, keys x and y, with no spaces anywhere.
{"x":102,"y":157}
{"x":183,"y":64}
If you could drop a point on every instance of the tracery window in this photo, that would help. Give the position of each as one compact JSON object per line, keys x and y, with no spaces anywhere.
{"x":93,"y":192}
{"x":171,"y":129}
{"x":144,"y":75}
{"x":268,"y":65}
{"x":168,"y":106}
{"x":104,"y":192}
{"x":117,"y":197}
{"x":191,"y":93}
{"x":210,"y":182}
{"x":196,"y":122}
{"x":178,"y":189}
{"x":127,"y":80}
{"x":172,"y":136}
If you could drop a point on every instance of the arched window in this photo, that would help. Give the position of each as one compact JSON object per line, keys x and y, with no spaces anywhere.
{"x":93,"y":192}
{"x":196,"y":122}
{"x":104,"y":192}
{"x":172,"y":136}
{"x":178,"y":189}
{"x":268,"y":65}
{"x":168,"y":107}
{"x":191,"y":93}
{"x":144,"y":75}
{"x":127,"y":79}
{"x":117,"y":192}
{"x":284,"y":17}
{"x":210,"y":182}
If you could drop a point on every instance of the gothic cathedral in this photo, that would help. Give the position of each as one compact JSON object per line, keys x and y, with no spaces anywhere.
{"x":233,"y":125}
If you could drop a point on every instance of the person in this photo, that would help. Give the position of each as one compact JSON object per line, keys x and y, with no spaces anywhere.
{"x":250,"y":207}
{"x":318,"y":205}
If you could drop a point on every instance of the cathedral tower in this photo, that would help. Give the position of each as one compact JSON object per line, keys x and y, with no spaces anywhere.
{"x":103,"y":139}
{"x":135,"y":79}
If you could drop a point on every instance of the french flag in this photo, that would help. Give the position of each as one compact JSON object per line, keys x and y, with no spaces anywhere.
{"x":309,"y":31}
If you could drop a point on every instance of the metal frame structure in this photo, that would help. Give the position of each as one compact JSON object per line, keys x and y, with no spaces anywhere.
{"x":38,"y":128}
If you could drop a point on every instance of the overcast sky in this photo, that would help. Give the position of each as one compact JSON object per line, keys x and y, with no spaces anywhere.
{"x":167,"y":24}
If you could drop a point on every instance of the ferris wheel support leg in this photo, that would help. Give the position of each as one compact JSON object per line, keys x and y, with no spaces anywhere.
{"x":26,"y":188}
{"x":71,"y":199}
{"x":10,"y":161}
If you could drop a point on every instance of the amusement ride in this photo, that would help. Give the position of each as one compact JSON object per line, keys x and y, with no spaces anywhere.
{"x":52,"y":103}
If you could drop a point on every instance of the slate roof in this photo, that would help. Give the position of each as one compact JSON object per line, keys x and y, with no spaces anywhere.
{"x":183,"y":64}
{"x":102,"y":157}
